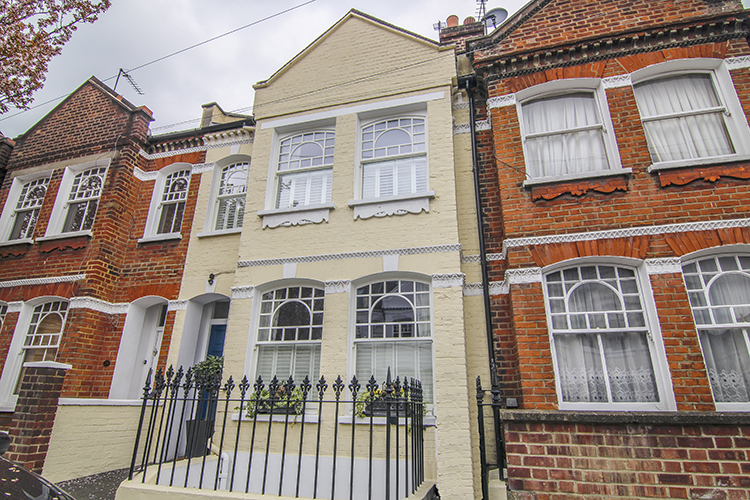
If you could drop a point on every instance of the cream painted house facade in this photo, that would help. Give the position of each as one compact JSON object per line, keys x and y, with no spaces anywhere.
{"x":357,"y":242}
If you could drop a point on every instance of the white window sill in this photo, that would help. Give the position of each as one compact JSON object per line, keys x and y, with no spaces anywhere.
{"x":392,"y":205}
{"x":429,"y":420}
{"x":62,"y":236}
{"x":264,"y":417}
{"x":208,"y":234}
{"x":575,"y":177}
{"x":296,"y":216}
{"x":24,"y":241}
{"x":615,"y":407}
{"x":744,"y":407}
{"x":697,"y":162}
{"x":99,"y":402}
{"x":160,"y":237}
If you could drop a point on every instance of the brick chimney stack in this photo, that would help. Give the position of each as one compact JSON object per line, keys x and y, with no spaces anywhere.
{"x":459,"y":34}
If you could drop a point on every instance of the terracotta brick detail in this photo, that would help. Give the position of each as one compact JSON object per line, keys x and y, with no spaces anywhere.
{"x":682,"y":176}
{"x":635,"y":247}
{"x":578,"y":188}
{"x":684,"y":243}
{"x":34,"y":417}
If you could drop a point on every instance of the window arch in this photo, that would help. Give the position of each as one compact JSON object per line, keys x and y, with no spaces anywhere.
{"x":393,"y":328}
{"x":719,"y":291}
{"x":290,"y":330}
{"x":603,"y":349}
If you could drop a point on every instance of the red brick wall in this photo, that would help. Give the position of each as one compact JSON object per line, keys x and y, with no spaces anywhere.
{"x":35,"y":416}
{"x":118,"y":269}
{"x":567,"y":461}
{"x":558,"y":22}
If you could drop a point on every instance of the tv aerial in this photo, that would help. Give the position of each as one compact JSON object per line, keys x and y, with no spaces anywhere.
{"x":130,"y":80}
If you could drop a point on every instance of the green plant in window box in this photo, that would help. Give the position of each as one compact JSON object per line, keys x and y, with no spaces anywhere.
{"x":376,"y":404}
{"x":278,"y":401}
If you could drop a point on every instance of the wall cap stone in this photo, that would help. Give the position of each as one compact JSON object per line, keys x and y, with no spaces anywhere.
{"x":628,"y":418}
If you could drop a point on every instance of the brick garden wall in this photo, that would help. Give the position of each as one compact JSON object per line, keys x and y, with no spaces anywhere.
{"x":656,"y":459}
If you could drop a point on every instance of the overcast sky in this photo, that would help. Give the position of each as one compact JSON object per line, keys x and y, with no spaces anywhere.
{"x":134,"y":32}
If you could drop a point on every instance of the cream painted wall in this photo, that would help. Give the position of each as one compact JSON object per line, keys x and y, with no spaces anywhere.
{"x":104,"y":443}
{"x":354,"y":61}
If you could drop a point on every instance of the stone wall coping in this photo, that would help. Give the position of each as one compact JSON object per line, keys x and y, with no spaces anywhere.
{"x":47,"y":364}
{"x":628,"y":418}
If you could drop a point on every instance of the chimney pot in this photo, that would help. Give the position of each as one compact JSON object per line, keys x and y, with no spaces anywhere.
{"x":452,"y":21}
{"x":469,"y":20}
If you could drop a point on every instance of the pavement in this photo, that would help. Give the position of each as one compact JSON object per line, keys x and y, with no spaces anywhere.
{"x":97,"y":487}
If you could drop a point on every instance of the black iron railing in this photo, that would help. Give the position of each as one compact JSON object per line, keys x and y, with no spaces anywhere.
{"x":498,"y":461}
{"x":284,"y":438}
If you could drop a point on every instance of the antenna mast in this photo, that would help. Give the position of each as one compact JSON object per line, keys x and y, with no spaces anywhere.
{"x":482,"y":12}
{"x":129,"y":79}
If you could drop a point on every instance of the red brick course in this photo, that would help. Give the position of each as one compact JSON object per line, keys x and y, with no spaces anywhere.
{"x":561,"y":461}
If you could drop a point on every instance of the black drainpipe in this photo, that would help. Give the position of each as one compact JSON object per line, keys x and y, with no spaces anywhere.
{"x":470,"y":84}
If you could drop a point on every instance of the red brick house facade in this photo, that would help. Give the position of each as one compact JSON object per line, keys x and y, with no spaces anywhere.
{"x":614,"y":148}
{"x":95,"y":225}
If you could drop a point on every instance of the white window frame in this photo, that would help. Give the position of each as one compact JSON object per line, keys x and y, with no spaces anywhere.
{"x":733,"y":113}
{"x":212,"y":209}
{"x":560,"y":88}
{"x":60,"y":208}
{"x":155,"y":208}
{"x":398,"y":204}
{"x":255,"y":345}
{"x":428,"y":385}
{"x":8,"y":217}
{"x":274,"y":216}
{"x":14,"y":359}
{"x":693,"y":258}
{"x":656,"y":345}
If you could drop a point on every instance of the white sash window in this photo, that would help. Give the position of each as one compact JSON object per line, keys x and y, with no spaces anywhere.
{"x":290,"y":330}
{"x":719,"y":291}
{"x":603,"y":347}
{"x":305,"y":169}
{"x":230,"y":200}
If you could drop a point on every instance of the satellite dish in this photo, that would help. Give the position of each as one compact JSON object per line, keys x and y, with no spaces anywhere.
{"x":495,"y":17}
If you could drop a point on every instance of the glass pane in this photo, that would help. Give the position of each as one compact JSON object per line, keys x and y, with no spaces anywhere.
{"x":579,"y":368}
{"x":631,"y":374}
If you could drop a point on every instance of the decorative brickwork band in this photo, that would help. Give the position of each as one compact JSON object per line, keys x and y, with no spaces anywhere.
{"x":623,"y":233}
{"x":42,"y":281}
{"x":350,"y":255}
{"x":448,"y":280}
{"x":177,"y":305}
{"x":496,"y":288}
{"x":98,"y":305}
{"x":501,"y":101}
{"x":242,"y":292}
{"x":526,"y":275}
{"x":614,"y":82}
{"x":461,"y":128}
{"x":664,"y":266}
{"x":483,"y":125}
{"x":737,"y":62}
{"x":35,"y":414}
{"x":338,"y":286}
